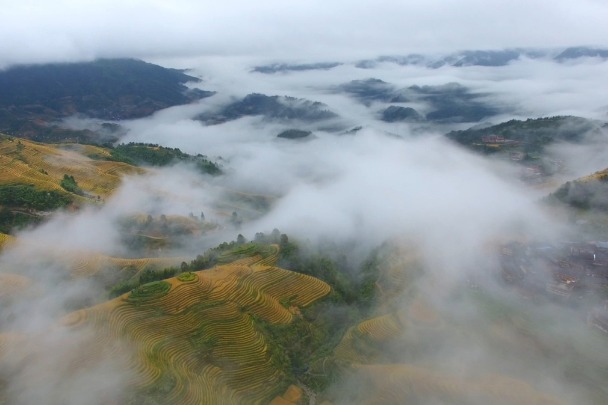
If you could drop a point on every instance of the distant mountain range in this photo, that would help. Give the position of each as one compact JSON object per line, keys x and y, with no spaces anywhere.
{"x":457,"y":59}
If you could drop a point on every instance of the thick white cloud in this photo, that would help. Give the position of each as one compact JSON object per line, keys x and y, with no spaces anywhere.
{"x":42,"y":31}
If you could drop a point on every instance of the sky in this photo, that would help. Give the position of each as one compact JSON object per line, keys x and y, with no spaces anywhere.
{"x":41,"y":31}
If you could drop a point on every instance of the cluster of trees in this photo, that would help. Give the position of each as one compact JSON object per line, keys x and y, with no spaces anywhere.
{"x":17,"y":201}
{"x":27,"y":196}
{"x":68,"y":183}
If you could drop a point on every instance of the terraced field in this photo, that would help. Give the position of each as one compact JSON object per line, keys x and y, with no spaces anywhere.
{"x":44,"y":165}
{"x":194,"y":337}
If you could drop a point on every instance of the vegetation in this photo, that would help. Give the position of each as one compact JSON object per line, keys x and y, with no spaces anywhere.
{"x":69,"y":184}
{"x":186,"y":277}
{"x":27,"y":196}
{"x":45,"y":166}
{"x":155,"y":155}
{"x":19,"y":203}
{"x":16,"y":220}
{"x":148,"y":275}
{"x":149,"y":291}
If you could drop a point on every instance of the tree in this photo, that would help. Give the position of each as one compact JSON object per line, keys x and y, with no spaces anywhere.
{"x":240,"y":239}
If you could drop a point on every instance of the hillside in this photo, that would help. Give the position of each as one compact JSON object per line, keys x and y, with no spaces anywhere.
{"x":530,"y":136}
{"x":528,"y":143}
{"x":199,"y":337}
{"x":38,"y":178}
{"x":44,"y":165}
{"x":34,"y":98}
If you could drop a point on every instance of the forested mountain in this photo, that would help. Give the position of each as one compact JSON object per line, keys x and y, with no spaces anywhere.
{"x":34,"y":98}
